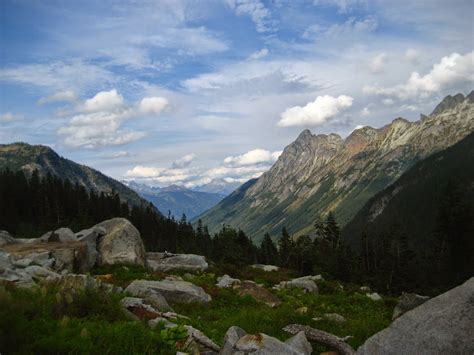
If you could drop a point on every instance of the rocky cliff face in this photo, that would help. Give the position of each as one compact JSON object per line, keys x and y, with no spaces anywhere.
{"x":28,"y":158}
{"x":321,"y":173}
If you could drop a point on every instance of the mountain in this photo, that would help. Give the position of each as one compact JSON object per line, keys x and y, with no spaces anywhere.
{"x":414,"y":202}
{"x":26,"y":157}
{"x":177,"y":199}
{"x":320,"y":173}
{"x":218,"y":186}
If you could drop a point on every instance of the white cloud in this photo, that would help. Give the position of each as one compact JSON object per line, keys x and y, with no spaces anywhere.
{"x":387,"y":102}
{"x":8,"y":117}
{"x":140,"y":171}
{"x":116,"y":155}
{"x":60,"y":96}
{"x":98,"y":121}
{"x":451,"y":70}
{"x":315,"y":113}
{"x":152,"y":105}
{"x":259,"y":14}
{"x":348,"y":30}
{"x":412,"y":55}
{"x":252,"y":157}
{"x":258,"y":54}
{"x":184,"y":161}
{"x":378,"y":62}
{"x":343,"y":5}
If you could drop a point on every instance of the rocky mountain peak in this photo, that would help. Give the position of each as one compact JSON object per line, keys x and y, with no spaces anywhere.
{"x":449,"y":102}
{"x":304,"y":136}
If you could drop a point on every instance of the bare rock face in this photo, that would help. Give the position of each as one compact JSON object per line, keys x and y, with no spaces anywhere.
{"x":441,"y":325}
{"x":166,"y":262}
{"x":407,"y":302}
{"x":121,"y":244}
{"x":172,"y":291}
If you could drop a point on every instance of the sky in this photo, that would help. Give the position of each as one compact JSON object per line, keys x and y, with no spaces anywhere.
{"x":183,"y":92}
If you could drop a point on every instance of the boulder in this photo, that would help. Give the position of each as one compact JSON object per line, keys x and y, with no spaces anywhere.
{"x":335,"y":317}
{"x":174,"y":291}
{"x":40,"y":273}
{"x":259,"y":293}
{"x":166,"y":262}
{"x":263,"y":344}
{"x":121,"y":244}
{"x":59,"y":235}
{"x":140,"y":288}
{"x":407,"y":302}
{"x":6,"y":238}
{"x":139,"y":308}
{"x":441,"y":325}
{"x":6,"y":261}
{"x":231,"y":337}
{"x":41,"y":259}
{"x":306,"y":283}
{"x":90,"y":237}
{"x":299,"y":343}
{"x":374,"y":296}
{"x":199,"y":341}
{"x":226,"y":281}
{"x":153,"y":323}
{"x":22,"y":263}
{"x":266,"y":268}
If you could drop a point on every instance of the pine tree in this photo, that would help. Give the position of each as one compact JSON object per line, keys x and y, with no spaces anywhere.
{"x":285,"y":248}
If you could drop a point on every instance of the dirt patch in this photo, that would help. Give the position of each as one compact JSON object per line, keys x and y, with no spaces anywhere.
{"x":27,"y":248}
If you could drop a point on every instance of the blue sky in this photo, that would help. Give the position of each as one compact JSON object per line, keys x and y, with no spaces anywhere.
{"x":186,"y":91}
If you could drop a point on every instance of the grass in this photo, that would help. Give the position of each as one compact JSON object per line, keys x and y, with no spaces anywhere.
{"x":40,"y":322}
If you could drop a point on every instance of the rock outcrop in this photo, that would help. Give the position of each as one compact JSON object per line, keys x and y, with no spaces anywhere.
{"x":441,"y":325}
{"x":166,"y":262}
{"x":121,"y":243}
{"x":172,"y":291}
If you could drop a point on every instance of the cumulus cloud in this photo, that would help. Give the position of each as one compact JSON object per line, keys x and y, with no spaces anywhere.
{"x":184,"y":161}
{"x":258,"y":54}
{"x":315,"y":113}
{"x":451,"y":70}
{"x":259,"y":14}
{"x":98,"y":121}
{"x":60,"y":96}
{"x":252,"y":157}
{"x":152,"y":105}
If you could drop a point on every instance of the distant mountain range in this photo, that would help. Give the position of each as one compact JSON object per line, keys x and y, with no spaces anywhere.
{"x":178,"y":200}
{"x":320,"y":173}
{"x":28,"y":158}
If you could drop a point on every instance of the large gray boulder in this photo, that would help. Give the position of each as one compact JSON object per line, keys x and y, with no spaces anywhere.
{"x":141,"y":288}
{"x":226,"y":281}
{"x":266,"y":268}
{"x":165,"y":262}
{"x":175,"y":291}
{"x":407,"y":302}
{"x":231,"y":337}
{"x":39,"y":273}
{"x":442,"y":325}
{"x":6,"y":238}
{"x":90,"y":237}
{"x":59,"y":235}
{"x":305,"y":283}
{"x":121,"y":244}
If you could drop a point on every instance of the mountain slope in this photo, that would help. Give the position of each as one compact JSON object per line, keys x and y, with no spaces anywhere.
{"x":413,"y":201}
{"x":25,"y":157}
{"x":322,"y":173}
{"x":177,"y":199}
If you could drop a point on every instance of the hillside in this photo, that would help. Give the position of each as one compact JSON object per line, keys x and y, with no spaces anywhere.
{"x":415,"y":201}
{"x":177,"y":199}
{"x":27,"y":158}
{"x":320,"y":173}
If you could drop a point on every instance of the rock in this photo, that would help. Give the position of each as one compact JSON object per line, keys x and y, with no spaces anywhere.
{"x":259,"y":293}
{"x":22,"y":263}
{"x":226,"y":281}
{"x":139,"y":308}
{"x":203,"y":342}
{"x":407,"y":302}
{"x":6,"y":238}
{"x":302,"y":310}
{"x":79,"y":283}
{"x":306,"y":283}
{"x":165,"y":262}
{"x":267,"y":268}
{"x":6,"y":261}
{"x":231,"y":337}
{"x":41,"y":273}
{"x":174,"y":291}
{"x":374,"y":296}
{"x":121,"y":244}
{"x":441,"y":325}
{"x":90,"y":237}
{"x":300,"y":344}
{"x":153,"y":323}
{"x":141,"y":288}
{"x":59,"y":235}
{"x":41,"y":259}
{"x":335,"y":317}
{"x":263,"y":344}
{"x":365,"y":289}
